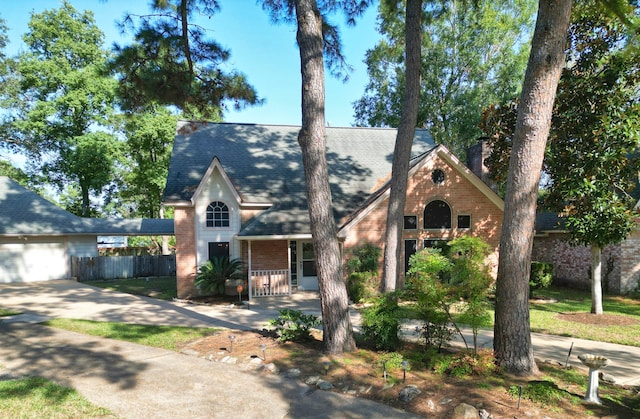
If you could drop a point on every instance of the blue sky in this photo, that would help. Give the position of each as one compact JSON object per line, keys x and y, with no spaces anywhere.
{"x":266,"y":53}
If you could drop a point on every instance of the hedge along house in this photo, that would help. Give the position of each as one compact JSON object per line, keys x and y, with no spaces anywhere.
{"x":238,"y":190}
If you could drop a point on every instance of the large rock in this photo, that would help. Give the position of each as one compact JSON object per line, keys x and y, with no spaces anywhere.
{"x":464,"y":411}
{"x":408,"y":393}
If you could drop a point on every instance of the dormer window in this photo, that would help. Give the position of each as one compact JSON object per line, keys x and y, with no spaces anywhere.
{"x":217,"y":214}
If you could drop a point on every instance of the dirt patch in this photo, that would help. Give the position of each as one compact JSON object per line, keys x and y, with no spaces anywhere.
{"x":360,"y":374}
{"x":598,"y":319}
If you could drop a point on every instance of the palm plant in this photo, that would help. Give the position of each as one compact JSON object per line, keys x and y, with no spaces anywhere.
{"x":212,"y":275}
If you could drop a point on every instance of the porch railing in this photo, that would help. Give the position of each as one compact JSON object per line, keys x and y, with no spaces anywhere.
{"x":267,"y":283}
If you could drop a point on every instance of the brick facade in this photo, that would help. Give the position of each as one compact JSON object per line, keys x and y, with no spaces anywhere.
{"x":572,"y":264}
{"x":267,"y":254}
{"x":463,"y":197}
{"x":185,"y":250}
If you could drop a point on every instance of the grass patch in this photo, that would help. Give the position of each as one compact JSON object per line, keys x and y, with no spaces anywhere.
{"x":37,"y":397}
{"x":545,"y":318}
{"x":6,"y":312}
{"x":163,"y":288}
{"x":165,"y":337}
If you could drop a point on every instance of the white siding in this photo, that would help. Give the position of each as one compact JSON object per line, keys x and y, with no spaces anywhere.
{"x":216,"y":189}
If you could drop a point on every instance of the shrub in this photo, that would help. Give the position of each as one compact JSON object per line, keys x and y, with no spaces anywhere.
{"x":294,"y":325}
{"x":212,"y":275}
{"x":465,"y":364}
{"x":362,"y":286}
{"x":541,"y":275}
{"x":381,"y":323}
{"x":364,"y":258}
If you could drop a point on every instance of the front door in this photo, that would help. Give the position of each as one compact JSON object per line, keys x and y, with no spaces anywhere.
{"x":307,"y":263}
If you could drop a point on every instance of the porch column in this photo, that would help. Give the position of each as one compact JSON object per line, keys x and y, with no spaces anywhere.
{"x":249,"y":267}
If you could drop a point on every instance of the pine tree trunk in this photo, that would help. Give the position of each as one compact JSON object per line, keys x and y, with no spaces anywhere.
{"x":337,"y":329}
{"x":402,"y":152}
{"x":512,"y":337}
{"x":596,"y":280}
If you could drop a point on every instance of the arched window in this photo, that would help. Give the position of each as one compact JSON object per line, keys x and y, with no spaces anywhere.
{"x":217,"y":214}
{"x":437,"y":214}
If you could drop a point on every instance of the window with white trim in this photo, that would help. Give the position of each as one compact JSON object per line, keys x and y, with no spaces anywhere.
{"x":217,"y":214}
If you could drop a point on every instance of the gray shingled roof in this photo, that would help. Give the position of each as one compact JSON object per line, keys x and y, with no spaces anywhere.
{"x":25,"y":213}
{"x":264,"y":163}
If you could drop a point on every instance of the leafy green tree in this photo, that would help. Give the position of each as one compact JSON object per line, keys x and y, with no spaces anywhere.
{"x":15,"y":173}
{"x":472,"y":55}
{"x":60,"y":111}
{"x":317,"y":37}
{"x":148,"y":150}
{"x":595,"y":132}
{"x":172,"y":62}
{"x":590,"y":159}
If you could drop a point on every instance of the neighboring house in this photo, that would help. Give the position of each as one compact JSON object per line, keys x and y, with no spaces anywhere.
{"x":238,"y":190}
{"x":37,"y":238}
{"x":572,"y":264}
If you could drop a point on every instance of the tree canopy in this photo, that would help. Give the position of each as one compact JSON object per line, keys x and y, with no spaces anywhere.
{"x":472,"y":56}
{"x":59,"y":111}
{"x":172,"y":62}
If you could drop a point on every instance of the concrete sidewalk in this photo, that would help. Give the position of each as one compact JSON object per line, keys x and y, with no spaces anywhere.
{"x":138,"y":382}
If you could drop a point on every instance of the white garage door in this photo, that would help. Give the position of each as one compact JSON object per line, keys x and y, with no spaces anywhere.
{"x":32,"y":261}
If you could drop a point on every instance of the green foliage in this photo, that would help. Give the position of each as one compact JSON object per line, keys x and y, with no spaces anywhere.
{"x":424,"y":283}
{"x":471,"y":57}
{"x":465,"y":364}
{"x":365,"y":258}
{"x":148,"y":149}
{"x":381,"y":322}
{"x":294,"y":325}
{"x":212,"y":275}
{"x":363,"y":282}
{"x":61,"y":102}
{"x":591,"y":158}
{"x":362,"y":286}
{"x":391,"y":360}
{"x":543,"y":392}
{"x":541,"y":275}
{"x":438,"y":282}
{"x":172,"y":62}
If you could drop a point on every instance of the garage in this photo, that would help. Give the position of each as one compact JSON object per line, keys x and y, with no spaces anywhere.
{"x":38,"y":239}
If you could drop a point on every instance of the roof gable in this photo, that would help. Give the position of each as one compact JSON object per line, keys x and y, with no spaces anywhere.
{"x":264,"y":162}
{"x":440,"y":151}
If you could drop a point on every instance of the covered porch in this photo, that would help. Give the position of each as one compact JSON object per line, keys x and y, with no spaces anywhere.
{"x":279,"y":267}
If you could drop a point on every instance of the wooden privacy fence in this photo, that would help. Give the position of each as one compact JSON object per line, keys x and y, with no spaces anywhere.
{"x":112,"y":267}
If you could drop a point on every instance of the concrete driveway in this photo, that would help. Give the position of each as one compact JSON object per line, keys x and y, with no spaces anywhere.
{"x":137,"y":381}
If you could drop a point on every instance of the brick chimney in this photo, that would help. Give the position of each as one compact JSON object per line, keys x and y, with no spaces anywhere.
{"x":476,"y":154}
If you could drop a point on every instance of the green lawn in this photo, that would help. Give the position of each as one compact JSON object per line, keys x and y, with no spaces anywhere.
{"x":163,"y":288}
{"x":5,"y":312}
{"x":39,"y":398}
{"x":544,"y":316}
{"x":166,"y":337}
